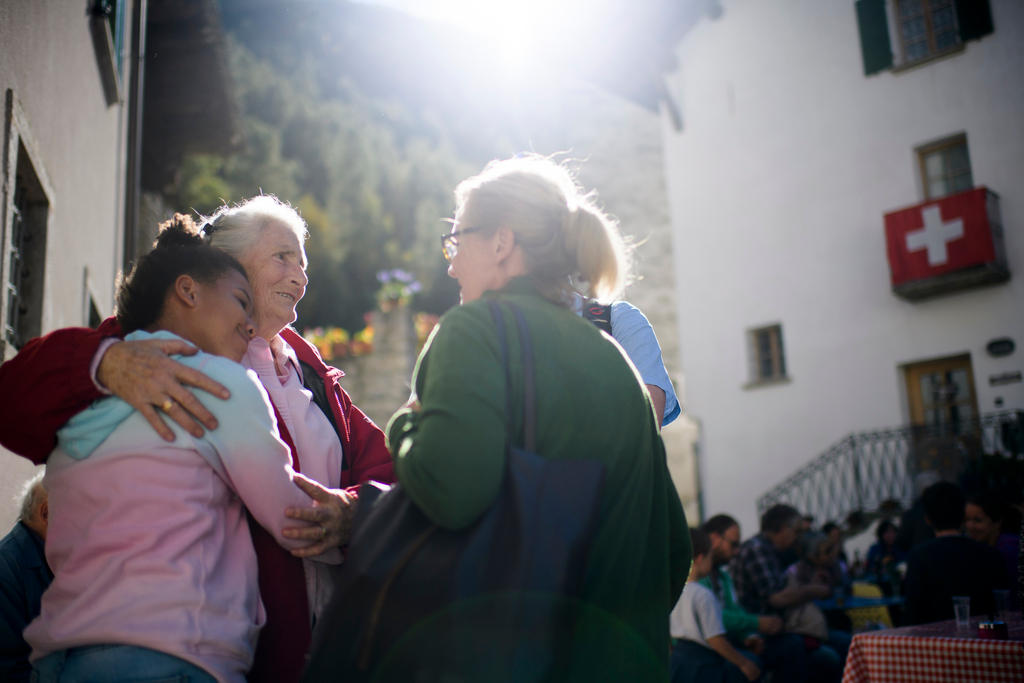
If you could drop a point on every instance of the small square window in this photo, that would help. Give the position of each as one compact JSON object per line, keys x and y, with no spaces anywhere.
{"x":767,"y":357}
{"x":945,"y":167}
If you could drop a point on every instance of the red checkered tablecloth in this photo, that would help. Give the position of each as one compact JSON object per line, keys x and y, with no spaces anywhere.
{"x":935,"y":653}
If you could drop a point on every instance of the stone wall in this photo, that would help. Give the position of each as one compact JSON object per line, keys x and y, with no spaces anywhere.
{"x":379,"y":382}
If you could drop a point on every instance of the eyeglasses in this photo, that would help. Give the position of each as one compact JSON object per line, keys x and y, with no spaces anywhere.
{"x":450,"y":242}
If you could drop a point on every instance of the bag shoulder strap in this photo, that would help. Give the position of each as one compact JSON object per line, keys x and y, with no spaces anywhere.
{"x":599,"y":314}
{"x":529,"y":435}
{"x":499,"y":323}
{"x":529,"y":383}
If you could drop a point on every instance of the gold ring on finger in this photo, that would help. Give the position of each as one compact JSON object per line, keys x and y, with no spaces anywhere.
{"x":167,"y":405}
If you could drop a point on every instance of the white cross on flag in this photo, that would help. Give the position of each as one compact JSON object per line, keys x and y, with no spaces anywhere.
{"x":934,"y":235}
{"x":939,"y":237}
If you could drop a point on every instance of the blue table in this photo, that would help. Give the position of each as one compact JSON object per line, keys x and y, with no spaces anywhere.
{"x":849,"y":602}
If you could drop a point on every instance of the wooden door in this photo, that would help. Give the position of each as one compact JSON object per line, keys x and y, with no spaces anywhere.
{"x":943,"y":414}
{"x":941,"y":394}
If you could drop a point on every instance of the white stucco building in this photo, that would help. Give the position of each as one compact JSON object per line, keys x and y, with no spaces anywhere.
{"x":87,"y":149}
{"x":65,"y":96}
{"x":64,"y":158}
{"x":788,"y":158}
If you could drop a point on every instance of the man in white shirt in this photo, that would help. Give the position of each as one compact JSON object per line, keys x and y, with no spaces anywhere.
{"x":700,"y":649}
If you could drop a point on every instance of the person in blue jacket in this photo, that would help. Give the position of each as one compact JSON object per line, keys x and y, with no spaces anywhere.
{"x":630,"y":328}
{"x":24,"y":575}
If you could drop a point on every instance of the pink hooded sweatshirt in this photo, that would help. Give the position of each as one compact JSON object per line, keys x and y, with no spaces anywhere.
{"x":148,"y":540}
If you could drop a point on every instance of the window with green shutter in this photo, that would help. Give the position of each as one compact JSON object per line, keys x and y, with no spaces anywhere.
{"x":921,"y":29}
{"x":926,"y":28}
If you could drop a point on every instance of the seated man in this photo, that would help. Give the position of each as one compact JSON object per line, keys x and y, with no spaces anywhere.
{"x":760,"y":584}
{"x":24,"y":575}
{"x":782,"y":653}
{"x":949,"y":564}
{"x":700,"y":649}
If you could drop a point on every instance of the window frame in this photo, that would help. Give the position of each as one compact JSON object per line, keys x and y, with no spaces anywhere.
{"x":21,"y":148}
{"x":776,"y":356}
{"x":938,"y":146}
{"x":933,"y":52}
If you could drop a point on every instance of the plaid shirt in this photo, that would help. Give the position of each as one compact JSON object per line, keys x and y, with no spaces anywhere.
{"x":757,"y":574}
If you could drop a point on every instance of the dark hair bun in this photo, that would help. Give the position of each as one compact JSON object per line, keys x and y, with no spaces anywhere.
{"x":179,"y":231}
{"x":179,"y":250}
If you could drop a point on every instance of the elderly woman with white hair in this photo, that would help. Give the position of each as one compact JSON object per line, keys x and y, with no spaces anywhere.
{"x":333,"y":443}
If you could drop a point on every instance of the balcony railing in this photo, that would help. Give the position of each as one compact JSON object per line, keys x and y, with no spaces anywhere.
{"x":872,"y":470}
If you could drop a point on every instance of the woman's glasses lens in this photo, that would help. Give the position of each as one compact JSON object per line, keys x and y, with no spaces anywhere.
{"x":448,"y":247}
{"x":450,"y":244}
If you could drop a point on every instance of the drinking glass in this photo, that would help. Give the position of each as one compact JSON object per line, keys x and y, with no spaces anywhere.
{"x":1001,"y":604}
{"x":962,"y":612}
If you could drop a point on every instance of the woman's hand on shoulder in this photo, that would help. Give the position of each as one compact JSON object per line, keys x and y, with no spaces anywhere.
{"x":142,"y":374}
{"x":331,"y":514}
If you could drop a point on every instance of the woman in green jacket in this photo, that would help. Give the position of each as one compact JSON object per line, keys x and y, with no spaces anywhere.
{"x":524,"y":233}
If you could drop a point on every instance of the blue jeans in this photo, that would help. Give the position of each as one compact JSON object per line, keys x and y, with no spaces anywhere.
{"x":115,"y":664}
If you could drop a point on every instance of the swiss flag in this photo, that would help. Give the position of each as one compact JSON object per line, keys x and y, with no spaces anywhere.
{"x":939,"y":237}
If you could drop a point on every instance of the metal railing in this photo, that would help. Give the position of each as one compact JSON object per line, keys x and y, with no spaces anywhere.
{"x":872,"y":470}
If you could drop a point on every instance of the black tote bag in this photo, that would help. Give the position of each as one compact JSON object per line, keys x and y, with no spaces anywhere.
{"x":493,"y":602}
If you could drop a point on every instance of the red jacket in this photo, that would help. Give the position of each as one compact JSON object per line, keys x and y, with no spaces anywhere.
{"x":48,"y":382}
{"x":45,"y":385}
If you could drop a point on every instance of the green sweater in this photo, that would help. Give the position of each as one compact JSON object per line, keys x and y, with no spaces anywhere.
{"x":738,"y":622}
{"x":450,"y":457}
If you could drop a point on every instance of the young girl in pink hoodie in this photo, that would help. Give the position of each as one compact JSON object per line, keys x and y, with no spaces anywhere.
{"x":154,"y":568}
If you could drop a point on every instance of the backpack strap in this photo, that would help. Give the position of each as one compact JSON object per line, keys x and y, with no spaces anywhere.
{"x":499,"y":322}
{"x":599,"y":314}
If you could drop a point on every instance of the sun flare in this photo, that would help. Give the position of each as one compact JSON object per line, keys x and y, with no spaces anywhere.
{"x":518,"y":29}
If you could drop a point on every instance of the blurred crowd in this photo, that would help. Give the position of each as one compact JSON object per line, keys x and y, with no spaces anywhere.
{"x":779,"y":604}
